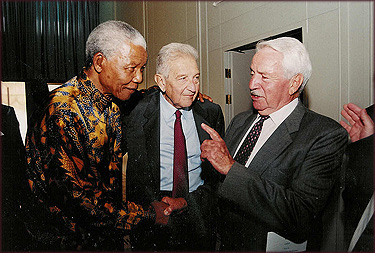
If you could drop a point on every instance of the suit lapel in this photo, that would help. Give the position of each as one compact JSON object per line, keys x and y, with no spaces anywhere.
{"x":152,"y":136}
{"x":200,"y":116}
{"x":238,"y":132}
{"x":278,"y":141}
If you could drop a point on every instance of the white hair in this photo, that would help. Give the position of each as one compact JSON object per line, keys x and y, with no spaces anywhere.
{"x":109,"y":37}
{"x":296,"y":59}
{"x":171,"y":52}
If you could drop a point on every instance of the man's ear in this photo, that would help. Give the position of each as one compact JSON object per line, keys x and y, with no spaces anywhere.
{"x":160,"y":81}
{"x":295,"y":83}
{"x":97,"y":62}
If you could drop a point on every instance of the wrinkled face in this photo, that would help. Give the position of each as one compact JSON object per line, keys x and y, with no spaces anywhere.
{"x":122,"y":73}
{"x":268,"y":86}
{"x":182,"y":85}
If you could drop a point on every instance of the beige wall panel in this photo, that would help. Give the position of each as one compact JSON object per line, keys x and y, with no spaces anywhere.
{"x":191,"y":19}
{"x":216,"y":77}
{"x":233,"y":9}
{"x":323,"y":46}
{"x":344,"y":53}
{"x":214,"y":38}
{"x":321,"y":7}
{"x":359,"y":57}
{"x":203,"y":45}
{"x":193,"y":42}
{"x":149,"y":21}
{"x":132,"y":13}
{"x":213,"y":15}
{"x":169,"y":23}
{"x":150,"y":71}
{"x":274,"y":15}
{"x":204,"y":80}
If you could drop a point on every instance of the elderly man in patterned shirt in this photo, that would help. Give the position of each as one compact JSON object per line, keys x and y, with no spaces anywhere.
{"x":74,"y":150}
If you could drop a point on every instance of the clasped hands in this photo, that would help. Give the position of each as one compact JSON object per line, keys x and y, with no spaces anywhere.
{"x":164,"y":208}
{"x":215,"y":151}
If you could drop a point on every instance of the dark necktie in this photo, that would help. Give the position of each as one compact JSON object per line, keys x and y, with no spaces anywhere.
{"x":180,"y":172}
{"x":248,"y":145}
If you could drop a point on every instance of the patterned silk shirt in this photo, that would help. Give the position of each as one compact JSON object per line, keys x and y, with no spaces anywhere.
{"x":74,"y":171}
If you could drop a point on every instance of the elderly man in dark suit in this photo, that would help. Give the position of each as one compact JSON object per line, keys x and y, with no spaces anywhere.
{"x":13,"y":164}
{"x":275,"y":190}
{"x":359,"y":177}
{"x":152,"y":155}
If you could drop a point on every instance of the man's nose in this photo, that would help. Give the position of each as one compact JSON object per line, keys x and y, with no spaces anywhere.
{"x":138,"y":77}
{"x":192,"y":84}
{"x":254,"y":81}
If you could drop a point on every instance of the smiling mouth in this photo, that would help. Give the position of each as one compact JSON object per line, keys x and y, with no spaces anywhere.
{"x":131,"y":89}
{"x":255,"y":94}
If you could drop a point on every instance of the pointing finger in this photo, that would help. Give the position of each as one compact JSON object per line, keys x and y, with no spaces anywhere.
{"x":213,"y":134}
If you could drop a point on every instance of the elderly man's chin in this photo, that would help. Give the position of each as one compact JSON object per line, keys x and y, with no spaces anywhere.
{"x":125,"y":94}
{"x":259,"y":105}
{"x":188,"y":101}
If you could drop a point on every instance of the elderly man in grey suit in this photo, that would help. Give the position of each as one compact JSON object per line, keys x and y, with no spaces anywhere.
{"x":279,"y":176}
{"x":150,"y":131}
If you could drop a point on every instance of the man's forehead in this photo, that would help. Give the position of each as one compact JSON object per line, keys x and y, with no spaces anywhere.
{"x":132,"y":53}
{"x":184,"y":63}
{"x":267,"y":58}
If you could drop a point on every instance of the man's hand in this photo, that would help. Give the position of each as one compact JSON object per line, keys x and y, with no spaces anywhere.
{"x":159,"y":208}
{"x":360,"y":123}
{"x":202,"y":97}
{"x":216,"y":151}
{"x":175,"y":204}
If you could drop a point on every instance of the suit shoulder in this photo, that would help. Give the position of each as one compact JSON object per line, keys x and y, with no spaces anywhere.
{"x":145,"y":101}
{"x":207,"y":105}
{"x":242,"y":115}
{"x":319,"y":121}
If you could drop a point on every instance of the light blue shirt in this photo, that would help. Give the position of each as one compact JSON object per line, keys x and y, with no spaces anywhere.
{"x":167,"y":119}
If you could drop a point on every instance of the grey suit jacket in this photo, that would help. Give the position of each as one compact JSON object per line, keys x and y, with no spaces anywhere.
{"x":287,"y":184}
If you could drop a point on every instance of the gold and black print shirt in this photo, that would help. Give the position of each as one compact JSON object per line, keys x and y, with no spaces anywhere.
{"x":74,"y":167}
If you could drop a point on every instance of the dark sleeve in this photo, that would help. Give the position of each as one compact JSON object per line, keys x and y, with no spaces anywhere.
{"x":360,"y":170}
{"x":13,"y":150}
{"x":205,"y":195}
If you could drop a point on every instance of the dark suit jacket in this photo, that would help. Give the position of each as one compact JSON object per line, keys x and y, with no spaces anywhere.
{"x":359,"y":187}
{"x":142,"y":134}
{"x":287,"y":184}
{"x":13,"y":179}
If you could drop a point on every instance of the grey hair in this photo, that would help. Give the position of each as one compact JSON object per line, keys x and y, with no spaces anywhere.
{"x":296,"y":59}
{"x":108,"y":37}
{"x":171,"y":52}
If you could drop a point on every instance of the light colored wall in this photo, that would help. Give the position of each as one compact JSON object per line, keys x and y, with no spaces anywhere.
{"x":168,"y":22}
{"x":338,"y":36}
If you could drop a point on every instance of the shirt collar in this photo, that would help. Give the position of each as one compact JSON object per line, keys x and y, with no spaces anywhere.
{"x":280,"y":115}
{"x":168,"y":110}
{"x":99,"y":99}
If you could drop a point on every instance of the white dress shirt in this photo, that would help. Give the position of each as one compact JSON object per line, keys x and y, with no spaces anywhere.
{"x":269,"y":126}
{"x":167,"y":119}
